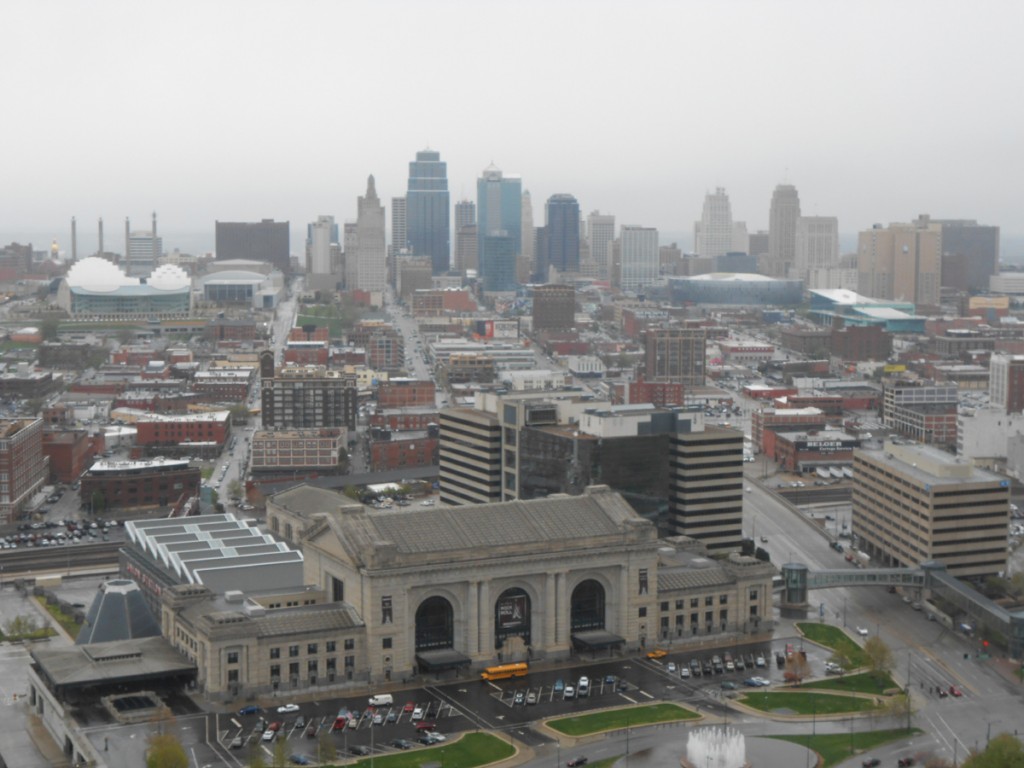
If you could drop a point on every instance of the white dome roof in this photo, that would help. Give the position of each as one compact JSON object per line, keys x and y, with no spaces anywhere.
{"x":96,"y":274}
{"x":169,"y":277}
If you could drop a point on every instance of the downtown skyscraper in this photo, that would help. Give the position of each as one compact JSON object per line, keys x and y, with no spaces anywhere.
{"x":428,"y":210}
{"x":499,"y":205}
{"x":782,"y":218}
{"x":365,"y":249}
{"x":713,"y":234}
{"x":558,"y":241}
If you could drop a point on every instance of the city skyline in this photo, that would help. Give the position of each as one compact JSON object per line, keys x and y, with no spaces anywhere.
{"x":813,"y":97}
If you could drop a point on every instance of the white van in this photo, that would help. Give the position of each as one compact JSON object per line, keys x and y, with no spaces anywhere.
{"x":382,"y":700}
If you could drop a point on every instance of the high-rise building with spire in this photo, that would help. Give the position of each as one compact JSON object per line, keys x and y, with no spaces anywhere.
{"x":366,"y":264}
{"x":782,"y":218}
{"x":713,"y":234}
{"x":428,"y":210}
{"x":499,"y":203}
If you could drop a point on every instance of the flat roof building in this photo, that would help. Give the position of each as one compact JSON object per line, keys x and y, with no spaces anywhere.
{"x":914,"y":503}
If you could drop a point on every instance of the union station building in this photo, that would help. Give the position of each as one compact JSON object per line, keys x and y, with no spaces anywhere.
{"x":396,"y":592}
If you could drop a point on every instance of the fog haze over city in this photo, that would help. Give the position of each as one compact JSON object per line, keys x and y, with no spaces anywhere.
{"x":243,"y":110}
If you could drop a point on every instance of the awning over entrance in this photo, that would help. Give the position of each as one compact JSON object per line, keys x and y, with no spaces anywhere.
{"x":596,"y":639}
{"x":442,"y":658}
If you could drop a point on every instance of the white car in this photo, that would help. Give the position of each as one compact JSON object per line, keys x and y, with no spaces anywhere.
{"x":684,"y":671}
{"x":417,"y":714}
{"x":862,"y":631}
{"x":285,"y":708}
{"x":671,"y":666}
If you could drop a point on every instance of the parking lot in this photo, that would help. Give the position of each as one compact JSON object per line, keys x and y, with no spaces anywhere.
{"x":511,"y":705}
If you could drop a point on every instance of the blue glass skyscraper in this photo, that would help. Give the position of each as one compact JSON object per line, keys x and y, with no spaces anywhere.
{"x":499,"y":205}
{"x":560,"y":239}
{"x":427,"y":210}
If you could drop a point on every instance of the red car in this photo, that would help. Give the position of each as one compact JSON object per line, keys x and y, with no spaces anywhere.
{"x":954,"y":691}
{"x":409,"y":706}
{"x":275,"y":726}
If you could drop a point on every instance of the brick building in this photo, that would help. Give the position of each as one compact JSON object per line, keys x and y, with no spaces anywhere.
{"x":866,"y":342}
{"x":70,"y":452}
{"x":923,"y":411}
{"x":464,"y":368}
{"x":291,"y":449}
{"x":165,"y":483}
{"x":661,"y":393}
{"x":23,"y":467}
{"x":155,"y":431}
{"x":765,"y":423}
{"x":405,"y":419}
{"x":406,"y":393}
{"x":554,"y":307}
{"x":307,"y":353}
{"x":308,"y":396}
{"x":421,"y":451}
{"x":224,"y":385}
{"x":804,"y":451}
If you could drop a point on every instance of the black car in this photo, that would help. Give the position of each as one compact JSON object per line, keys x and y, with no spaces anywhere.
{"x":581,"y":760}
{"x":402,"y":744}
{"x":359,"y":749}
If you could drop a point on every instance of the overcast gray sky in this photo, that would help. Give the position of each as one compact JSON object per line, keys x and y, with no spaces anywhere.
{"x":876,"y":111}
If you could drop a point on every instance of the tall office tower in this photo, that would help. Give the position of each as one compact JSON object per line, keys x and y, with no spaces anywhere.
{"x":399,"y":225}
{"x":713,"y":234}
{"x":527,"y":242}
{"x":499,"y":205}
{"x":740,"y":238}
{"x":554,"y":307}
{"x":366,"y":267}
{"x":398,"y":247}
{"x":782,"y":216}
{"x":265,"y":240}
{"x":817,"y":246}
{"x":322,"y":233}
{"x":915,"y":503}
{"x":972,"y":248}
{"x":675,"y":354}
{"x":142,"y":253}
{"x":901,"y":262}
{"x":600,"y":234}
{"x":561,"y":236}
{"x":706,"y":486}
{"x":429,"y":210}
{"x":1006,"y":382}
{"x":465,"y":236}
{"x":757,"y":243}
{"x":639,"y":259}
{"x":470,"y":456}
{"x":465,"y":214}
{"x":23,"y":466}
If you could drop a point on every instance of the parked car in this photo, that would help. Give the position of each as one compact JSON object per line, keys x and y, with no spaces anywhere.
{"x":871,"y":762}
{"x":286,"y":708}
{"x":417,"y":714}
{"x":298,"y":759}
{"x":252,"y":709}
{"x":402,"y":744}
{"x":359,"y":749}
{"x":581,"y":760}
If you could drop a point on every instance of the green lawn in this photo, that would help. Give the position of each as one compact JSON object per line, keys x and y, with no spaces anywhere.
{"x":807,"y":703}
{"x":67,"y":622}
{"x":621,"y":718}
{"x":836,"y":639}
{"x":835,"y":747}
{"x":471,"y":750}
{"x":608,"y":762}
{"x":865,"y":682}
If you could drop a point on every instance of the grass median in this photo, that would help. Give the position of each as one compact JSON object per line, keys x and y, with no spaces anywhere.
{"x":626,"y":717}
{"x":865,"y":682}
{"x":836,"y":639}
{"x":807,"y":703}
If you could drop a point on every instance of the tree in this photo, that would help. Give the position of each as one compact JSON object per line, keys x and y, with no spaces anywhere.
{"x":841,"y":660}
{"x":1003,"y":751}
{"x":97,"y":503}
{"x":165,"y":751}
{"x":20,"y":626}
{"x":797,"y":668}
{"x":235,"y":488}
{"x":239,"y":413}
{"x":48,"y":328}
{"x":325,"y":751}
{"x":280,"y":755}
{"x":256,"y":756}
{"x":352,"y":492}
{"x":879,"y":657}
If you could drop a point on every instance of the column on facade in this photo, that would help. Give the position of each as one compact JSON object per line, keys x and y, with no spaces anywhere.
{"x":485,"y":619}
{"x":473,"y":619}
{"x":550,"y":611}
{"x":562,"y":609}
{"x":623,"y":601}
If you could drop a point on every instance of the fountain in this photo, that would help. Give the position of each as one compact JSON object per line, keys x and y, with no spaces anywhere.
{"x":716,"y":748}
